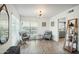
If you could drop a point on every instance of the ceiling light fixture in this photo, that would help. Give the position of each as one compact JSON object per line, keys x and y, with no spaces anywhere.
{"x":40,"y":13}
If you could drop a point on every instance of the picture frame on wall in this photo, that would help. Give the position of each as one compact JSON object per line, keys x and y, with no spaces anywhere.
{"x":52,"y":23}
{"x":43,"y":24}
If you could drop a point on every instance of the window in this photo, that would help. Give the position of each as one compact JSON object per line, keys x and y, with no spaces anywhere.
{"x":30,"y":27}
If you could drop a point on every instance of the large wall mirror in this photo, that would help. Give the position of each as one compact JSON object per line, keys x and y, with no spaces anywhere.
{"x":4,"y":24}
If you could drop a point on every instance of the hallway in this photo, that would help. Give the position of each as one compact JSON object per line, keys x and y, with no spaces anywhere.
{"x":43,"y":47}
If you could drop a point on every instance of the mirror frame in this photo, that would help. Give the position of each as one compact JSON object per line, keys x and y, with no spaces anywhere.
{"x":1,"y":8}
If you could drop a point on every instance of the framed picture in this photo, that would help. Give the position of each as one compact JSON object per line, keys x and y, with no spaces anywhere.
{"x":43,"y":24}
{"x":52,"y":23}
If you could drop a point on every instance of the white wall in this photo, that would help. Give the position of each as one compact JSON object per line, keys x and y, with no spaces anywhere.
{"x":11,"y":11}
{"x":15,"y":29}
{"x":67,"y":15}
{"x":54,"y":28}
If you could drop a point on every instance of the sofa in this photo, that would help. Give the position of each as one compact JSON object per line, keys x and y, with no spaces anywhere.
{"x":13,"y":50}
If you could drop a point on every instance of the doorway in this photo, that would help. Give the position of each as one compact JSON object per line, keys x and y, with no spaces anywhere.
{"x":62,"y":28}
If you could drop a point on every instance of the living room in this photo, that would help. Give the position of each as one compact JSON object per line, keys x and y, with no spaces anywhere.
{"x":28,"y":26}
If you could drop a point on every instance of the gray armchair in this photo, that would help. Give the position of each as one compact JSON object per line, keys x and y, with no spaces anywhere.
{"x":48,"y":35}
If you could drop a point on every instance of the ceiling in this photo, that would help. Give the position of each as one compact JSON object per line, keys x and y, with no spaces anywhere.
{"x":48,"y":10}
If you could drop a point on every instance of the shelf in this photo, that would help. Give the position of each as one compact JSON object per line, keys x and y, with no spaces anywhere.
{"x":71,"y":41}
{"x":69,"y":49}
